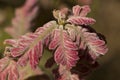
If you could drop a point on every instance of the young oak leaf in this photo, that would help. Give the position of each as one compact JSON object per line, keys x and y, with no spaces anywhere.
{"x":30,"y":46}
{"x":66,"y":51}
{"x":86,"y":39}
{"x":91,"y":41}
{"x":8,"y":69}
{"x":79,"y":16}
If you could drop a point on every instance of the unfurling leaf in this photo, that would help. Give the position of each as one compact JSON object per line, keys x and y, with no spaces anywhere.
{"x":79,"y":16}
{"x":92,"y":41}
{"x":66,"y":51}
{"x":31,"y":45}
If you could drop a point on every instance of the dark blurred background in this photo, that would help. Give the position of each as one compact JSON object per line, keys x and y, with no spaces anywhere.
{"x":106,"y":13}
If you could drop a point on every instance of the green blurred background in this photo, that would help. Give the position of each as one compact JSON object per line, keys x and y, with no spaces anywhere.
{"x":106,"y":13}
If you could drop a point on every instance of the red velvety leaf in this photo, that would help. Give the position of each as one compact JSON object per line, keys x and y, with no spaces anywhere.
{"x":30,"y":46}
{"x":81,"y":20}
{"x":10,"y":71}
{"x":66,"y":50}
{"x":79,"y":16}
{"x":33,"y":54}
{"x":95,"y":45}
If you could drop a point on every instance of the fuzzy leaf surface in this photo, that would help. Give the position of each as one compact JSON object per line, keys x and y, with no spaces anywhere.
{"x":30,"y":46}
{"x":66,"y":51}
{"x":79,"y":16}
{"x":86,"y":39}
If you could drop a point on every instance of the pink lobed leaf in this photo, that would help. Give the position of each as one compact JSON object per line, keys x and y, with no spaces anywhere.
{"x":86,"y":39}
{"x":95,"y":45}
{"x":66,"y":51}
{"x":30,"y":46}
{"x":79,"y":16}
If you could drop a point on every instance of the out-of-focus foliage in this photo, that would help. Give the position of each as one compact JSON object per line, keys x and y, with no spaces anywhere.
{"x":22,"y":21}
